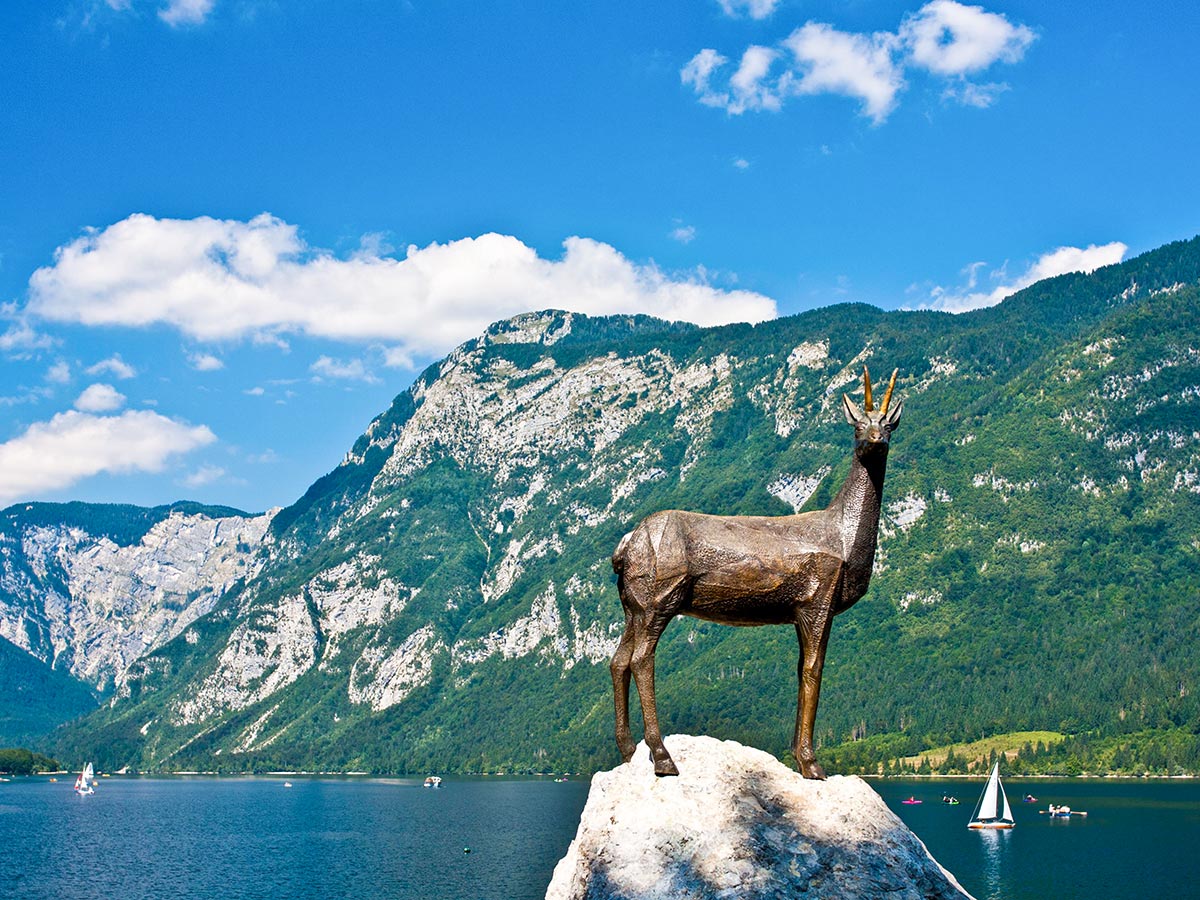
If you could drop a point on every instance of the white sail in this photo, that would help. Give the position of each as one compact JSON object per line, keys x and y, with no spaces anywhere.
{"x":1007,"y":816}
{"x":987,"y":806}
{"x":83,"y":784}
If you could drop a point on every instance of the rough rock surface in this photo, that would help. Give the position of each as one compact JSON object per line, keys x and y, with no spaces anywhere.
{"x":738,"y":823}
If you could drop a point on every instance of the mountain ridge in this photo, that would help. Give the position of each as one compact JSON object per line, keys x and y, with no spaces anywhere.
{"x":452,"y":570}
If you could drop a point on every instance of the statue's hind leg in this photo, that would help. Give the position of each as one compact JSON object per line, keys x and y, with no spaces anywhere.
{"x":620,"y":677}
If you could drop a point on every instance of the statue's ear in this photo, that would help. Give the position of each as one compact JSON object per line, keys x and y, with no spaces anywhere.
{"x":854,"y":415}
{"x":893,"y":415}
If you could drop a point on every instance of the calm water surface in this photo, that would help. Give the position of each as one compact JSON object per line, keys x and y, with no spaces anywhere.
{"x":237,"y":839}
{"x":1141,"y":838}
{"x":210,"y":838}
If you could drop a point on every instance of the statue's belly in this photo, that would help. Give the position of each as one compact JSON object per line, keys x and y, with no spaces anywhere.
{"x":751,"y":590}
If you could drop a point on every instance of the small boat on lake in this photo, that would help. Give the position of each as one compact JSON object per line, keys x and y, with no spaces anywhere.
{"x":1029,"y":798}
{"x":433,"y":781}
{"x":1061,"y":812}
{"x":912,"y":801}
{"x":84,"y":783}
{"x":949,"y":801}
{"x":993,"y":810}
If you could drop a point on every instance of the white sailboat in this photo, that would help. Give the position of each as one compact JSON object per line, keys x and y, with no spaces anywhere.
{"x":83,"y":784}
{"x":993,"y":810}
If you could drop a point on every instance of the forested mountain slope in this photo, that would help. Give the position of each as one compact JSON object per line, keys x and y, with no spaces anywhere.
{"x":443,"y":599}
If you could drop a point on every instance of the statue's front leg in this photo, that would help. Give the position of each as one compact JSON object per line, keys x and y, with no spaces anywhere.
{"x":643,"y":674}
{"x":813,"y":633}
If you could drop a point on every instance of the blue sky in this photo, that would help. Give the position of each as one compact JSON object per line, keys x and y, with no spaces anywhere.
{"x":232,"y":230}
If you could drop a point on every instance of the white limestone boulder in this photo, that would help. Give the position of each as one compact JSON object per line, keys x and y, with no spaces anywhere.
{"x":738,"y":823}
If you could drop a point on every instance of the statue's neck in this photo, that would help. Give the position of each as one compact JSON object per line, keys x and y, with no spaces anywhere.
{"x":858,"y":502}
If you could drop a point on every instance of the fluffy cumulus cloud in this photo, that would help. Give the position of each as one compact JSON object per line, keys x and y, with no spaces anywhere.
{"x":73,"y":445}
{"x":221,"y":279}
{"x":952,"y":39}
{"x":1048,"y":265}
{"x":947,"y":39}
{"x":100,"y":398}
{"x":856,"y":65}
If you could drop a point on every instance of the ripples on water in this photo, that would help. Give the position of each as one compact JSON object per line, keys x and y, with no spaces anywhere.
{"x":251,"y":838}
{"x":245,"y":839}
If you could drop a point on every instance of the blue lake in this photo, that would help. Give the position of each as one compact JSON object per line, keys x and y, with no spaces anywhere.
{"x":391,"y":838}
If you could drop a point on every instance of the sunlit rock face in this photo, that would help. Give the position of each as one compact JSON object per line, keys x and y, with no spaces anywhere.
{"x":91,"y":607}
{"x":738,"y":823}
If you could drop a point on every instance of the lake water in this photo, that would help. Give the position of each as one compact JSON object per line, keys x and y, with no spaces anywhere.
{"x":243,"y":838}
{"x":1141,"y":838}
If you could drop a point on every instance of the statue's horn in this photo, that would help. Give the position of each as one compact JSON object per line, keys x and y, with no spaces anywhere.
{"x":867,"y":407}
{"x":887,"y":398}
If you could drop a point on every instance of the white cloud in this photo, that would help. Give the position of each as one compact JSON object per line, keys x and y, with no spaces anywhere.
{"x":59,"y":373}
{"x":206,"y":474}
{"x":204,"y":362}
{"x":685,"y":234}
{"x":351,"y":370}
{"x":980,"y":96}
{"x":100,"y":398}
{"x":698,"y":74}
{"x":186,"y":12}
{"x":256,"y":391}
{"x":20,"y":336}
{"x":267,"y":457}
{"x":944,"y":37}
{"x":219,"y":279}
{"x":838,"y":62}
{"x":398,"y":358}
{"x":1048,"y":265}
{"x":952,"y":39}
{"x":755,"y":9}
{"x":741,"y":163}
{"x":114,"y":366}
{"x":749,"y":87}
{"x":74,"y":445}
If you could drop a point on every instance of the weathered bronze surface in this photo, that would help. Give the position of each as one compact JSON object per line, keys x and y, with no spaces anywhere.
{"x":753,"y":570}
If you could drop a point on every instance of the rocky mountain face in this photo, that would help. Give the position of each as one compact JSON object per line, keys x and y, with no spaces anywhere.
{"x":443,"y":599}
{"x":88,"y":603}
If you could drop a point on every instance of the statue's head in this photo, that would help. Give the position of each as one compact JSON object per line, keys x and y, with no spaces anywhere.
{"x":873,"y":427}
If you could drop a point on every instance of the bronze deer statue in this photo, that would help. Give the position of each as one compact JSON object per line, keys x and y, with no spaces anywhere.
{"x":753,"y":570}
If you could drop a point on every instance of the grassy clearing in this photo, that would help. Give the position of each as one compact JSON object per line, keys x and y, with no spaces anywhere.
{"x":978,"y":751}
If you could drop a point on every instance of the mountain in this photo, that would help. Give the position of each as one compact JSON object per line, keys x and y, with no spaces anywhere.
{"x":87,"y":589}
{"x":443,"y":599}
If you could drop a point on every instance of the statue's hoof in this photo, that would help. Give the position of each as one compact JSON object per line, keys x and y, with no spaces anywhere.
{"x":665,"y":767}
{"x":812,"y":770}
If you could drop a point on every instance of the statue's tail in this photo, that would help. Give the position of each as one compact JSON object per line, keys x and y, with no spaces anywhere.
{"x":618,"y":557}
